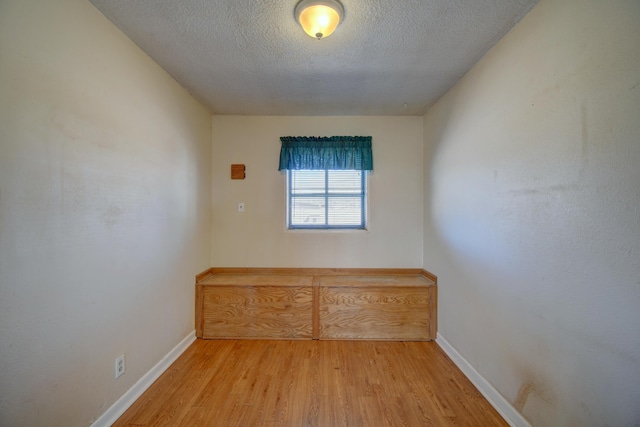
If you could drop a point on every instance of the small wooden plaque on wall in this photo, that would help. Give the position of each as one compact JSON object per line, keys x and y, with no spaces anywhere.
{"x":237,"y":171}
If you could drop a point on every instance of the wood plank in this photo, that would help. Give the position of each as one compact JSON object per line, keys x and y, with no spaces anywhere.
{"x":257,"y":280}
{"x":278,"y":312}
{"x":312,"y":383}
{"x":315,"y":313}
{"x":433,"y":312}
{"x":200,"y":276}
{"x":374,"y":313}
{"x":199,"y":321}
{"x":316,"y":271}
{"x":376,"y":281}
{"x":429,"y":275}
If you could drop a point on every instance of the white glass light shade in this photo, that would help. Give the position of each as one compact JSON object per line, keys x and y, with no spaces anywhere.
{"x":319,"y":18}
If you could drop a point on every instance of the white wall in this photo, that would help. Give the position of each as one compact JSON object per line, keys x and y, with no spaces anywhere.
{"x":257,"y":237}
{"x":104,"y":211}
{"x":532,"y":214}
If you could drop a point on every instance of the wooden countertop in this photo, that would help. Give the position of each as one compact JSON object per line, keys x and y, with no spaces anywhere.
{"x":301,"y":277}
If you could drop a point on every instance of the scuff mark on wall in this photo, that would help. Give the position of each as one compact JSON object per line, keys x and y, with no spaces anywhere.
{"x":531,"y":390}
{"x":112,"y":215}
{"x":543,"y":190}
{"x":522,"y":396}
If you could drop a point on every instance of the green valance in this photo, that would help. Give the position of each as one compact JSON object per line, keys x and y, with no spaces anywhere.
{"x":326,"y":153}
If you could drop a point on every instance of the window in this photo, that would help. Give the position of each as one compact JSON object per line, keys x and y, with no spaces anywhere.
{"x":326,"y":199}
{"x":326,"y":181}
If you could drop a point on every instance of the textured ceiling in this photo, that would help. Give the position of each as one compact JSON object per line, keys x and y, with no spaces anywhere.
{"x":251,"y":57}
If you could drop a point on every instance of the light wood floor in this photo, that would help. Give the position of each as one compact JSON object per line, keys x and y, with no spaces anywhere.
{"x":312,"y":383}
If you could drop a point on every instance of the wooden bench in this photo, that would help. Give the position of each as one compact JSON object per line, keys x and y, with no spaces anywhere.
{"x":366,"y":304}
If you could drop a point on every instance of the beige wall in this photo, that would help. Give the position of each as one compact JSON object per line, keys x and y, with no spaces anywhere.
{"x":104,"y":211}
{"x":532,"y":214}
{"x":525,"y":203}
{"x":257,"y":237}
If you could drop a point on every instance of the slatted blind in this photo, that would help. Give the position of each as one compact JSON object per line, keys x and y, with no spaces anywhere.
{"x":327,"y":199}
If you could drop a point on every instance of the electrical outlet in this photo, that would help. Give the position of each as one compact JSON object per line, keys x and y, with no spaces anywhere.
{"x":120,"y":366}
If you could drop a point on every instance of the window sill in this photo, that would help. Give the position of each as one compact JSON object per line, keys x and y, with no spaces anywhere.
{"x":327,"y":230}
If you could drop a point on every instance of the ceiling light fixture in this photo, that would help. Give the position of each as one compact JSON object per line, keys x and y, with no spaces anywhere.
{"x":319,"y":18}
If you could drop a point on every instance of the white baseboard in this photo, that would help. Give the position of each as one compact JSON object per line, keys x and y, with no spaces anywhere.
{"x":114,"y":412}
{"x":508,"y":412}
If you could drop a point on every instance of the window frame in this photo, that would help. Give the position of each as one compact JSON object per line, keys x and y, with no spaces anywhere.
{"x":363,"y":195}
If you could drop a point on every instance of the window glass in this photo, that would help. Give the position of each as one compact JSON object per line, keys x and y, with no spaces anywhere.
{"x":326,"y":199}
